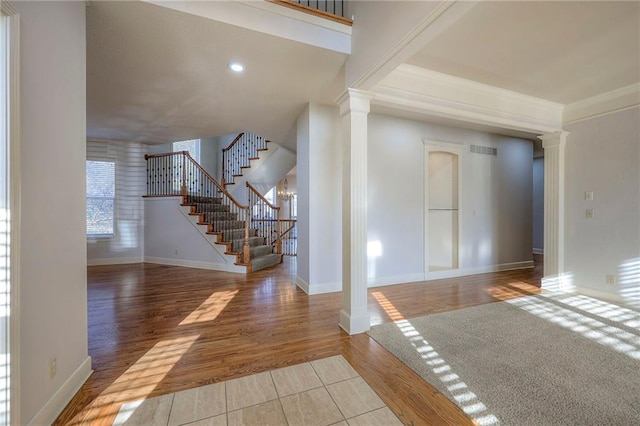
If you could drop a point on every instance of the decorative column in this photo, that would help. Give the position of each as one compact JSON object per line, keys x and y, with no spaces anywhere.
{"x":554,"y":158}
{"x":354,"y":107}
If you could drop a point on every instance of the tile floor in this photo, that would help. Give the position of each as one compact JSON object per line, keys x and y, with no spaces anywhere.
{"x":323,"y":392}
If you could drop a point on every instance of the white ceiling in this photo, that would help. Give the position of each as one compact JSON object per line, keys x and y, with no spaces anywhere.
{"x":157,"y":75}
{"x":559,"y":51}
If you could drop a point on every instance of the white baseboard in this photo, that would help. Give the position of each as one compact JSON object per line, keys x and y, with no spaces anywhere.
{"x":318,"y":288}
{"x":598,"y":294}
{"x":325,"y":288}
{"x":453,"y":273}
{"x":304,"y":286}
{"x":398,"y":279}
{"x":354,"y":324}
{"x":52,"y":409}
{"x":193,"y":264}
{"x":538,"y":251}
{"x":114,"y":261}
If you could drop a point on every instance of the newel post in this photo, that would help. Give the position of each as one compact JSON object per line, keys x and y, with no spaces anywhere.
{"x":183,"y":188}
{"x":246,"y":248}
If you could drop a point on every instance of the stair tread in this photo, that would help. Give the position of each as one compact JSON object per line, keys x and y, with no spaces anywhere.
{"x":265,"y":261}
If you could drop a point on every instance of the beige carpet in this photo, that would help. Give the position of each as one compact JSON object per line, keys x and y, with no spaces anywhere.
{"x":536,"y":360}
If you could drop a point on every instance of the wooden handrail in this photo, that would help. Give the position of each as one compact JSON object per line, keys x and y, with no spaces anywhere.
{"x":235,"y":141}
{"x":251,"y":187}
{"x":220,"y":187}
{"x":287,"y":230}
{"x":275,"y":220}
{"x":313,"y":11}
{"x":165,"y":154}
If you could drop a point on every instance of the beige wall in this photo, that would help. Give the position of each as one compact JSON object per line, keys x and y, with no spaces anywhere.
{"x":53,"y":283}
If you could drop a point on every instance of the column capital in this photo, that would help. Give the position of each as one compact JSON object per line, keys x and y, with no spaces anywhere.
{"x":354,"y":100}
{"x":554,"y":139}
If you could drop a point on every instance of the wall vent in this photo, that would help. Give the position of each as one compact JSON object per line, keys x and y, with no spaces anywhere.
{"x":487,"y":150}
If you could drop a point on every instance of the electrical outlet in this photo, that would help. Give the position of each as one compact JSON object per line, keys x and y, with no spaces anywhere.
{"x":611,"y":279}
{"x":589,"y":214}
{"x":588,"y":195}
{"x":53,"y":367}
{"x":176,"y":252}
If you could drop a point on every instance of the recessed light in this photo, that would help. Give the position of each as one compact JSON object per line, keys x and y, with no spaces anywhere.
{"x":236,"y":67}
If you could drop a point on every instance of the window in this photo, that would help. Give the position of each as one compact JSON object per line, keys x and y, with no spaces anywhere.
{"x":9,"y":97}
{"x":271,"y":196}
{"x":293,"y":207}
{"x":101,"y":193}
{"x":193,"y":146}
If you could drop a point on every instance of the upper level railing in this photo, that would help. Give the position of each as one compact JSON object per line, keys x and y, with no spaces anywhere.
{"x":238,"y":155}
{"x":329,"y":9}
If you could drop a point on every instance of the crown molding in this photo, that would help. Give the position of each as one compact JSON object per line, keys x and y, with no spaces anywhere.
{"x":605,"y":103}
{"x":424,"y":91}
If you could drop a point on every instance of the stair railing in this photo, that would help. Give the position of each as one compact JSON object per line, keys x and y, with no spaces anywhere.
{"x":178,"y":174}
{"x":288,"y":235}
{"x":265,"y":217}
{"x":238,"y":155}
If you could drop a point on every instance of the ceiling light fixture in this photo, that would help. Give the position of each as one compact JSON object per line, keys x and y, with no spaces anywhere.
{"x":236,"y":67}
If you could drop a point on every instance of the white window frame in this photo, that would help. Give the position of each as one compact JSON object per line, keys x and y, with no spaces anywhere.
{"x":10,"y":98}
{"x":113,"y":218}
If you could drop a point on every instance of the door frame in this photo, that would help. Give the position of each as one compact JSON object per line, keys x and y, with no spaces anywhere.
{"x":457,"y":149}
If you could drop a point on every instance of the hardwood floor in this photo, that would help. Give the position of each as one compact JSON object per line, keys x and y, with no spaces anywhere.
{"x":157,"y":329}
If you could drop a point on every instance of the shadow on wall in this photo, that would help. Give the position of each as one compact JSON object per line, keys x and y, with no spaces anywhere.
{"x":629,"y":282}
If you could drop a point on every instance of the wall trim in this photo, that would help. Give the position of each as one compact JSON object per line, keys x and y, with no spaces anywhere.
{"x":446,"y":94}
{"x":114,"y":261}
{"x":453,"y":273}
{"x":398,"y":279}
{"x":479,"y":270}
{"x":538,"y":251}
{"x":304,"y":286}
{"x":612,"y":297}
{"x":193,"y":264}
{"x":318,"y":288}
{"x":52,"y":409}
{"x":603,"y":104}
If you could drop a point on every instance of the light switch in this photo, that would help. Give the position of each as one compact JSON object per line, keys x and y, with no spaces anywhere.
{"x":588,"y":195}
{"x":589,"y":214}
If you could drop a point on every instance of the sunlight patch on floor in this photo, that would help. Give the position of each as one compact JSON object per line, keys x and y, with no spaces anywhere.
{"x":210,"y":308}
{"x":615,"y":313}
{"x":513,"y":289}
{"x":613,"y":337}
{"x":391,"y":311}
{"x":139,"y":381}
{"x":459,"y":390}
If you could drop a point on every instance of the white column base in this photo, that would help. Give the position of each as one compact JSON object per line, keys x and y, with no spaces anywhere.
{"x":354,"y":325}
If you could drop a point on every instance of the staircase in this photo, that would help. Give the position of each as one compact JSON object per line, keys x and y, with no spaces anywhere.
{"x":237,"y":230}
{"x":230,"y":232}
